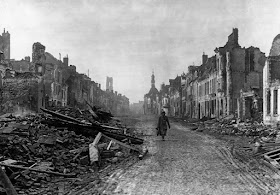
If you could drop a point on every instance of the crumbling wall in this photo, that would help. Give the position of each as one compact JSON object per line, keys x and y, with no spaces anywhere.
{"x":274,"y":69}
{"x":253,"y":80}
{"x":19,"y":93}
{"x":271,"y":84}
{"x":238,"y":71}
{"x":275,"y":47}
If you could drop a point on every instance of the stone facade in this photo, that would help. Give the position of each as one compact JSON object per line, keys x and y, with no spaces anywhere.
{"x":228,"y":83}
{"x":223,"y":84}
{"x":164,"y":100}
{"x":175,"y":97}
{"x":20,"y":92}
{"x":5,"y":44}
{"x":21,"y":66}
{"x":109,"y":84}
{"x":47,"y":81}
{"x":271,"y":84}
{"x":151,"y":99}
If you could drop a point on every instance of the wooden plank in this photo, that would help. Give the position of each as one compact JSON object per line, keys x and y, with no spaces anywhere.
{"x":62,"y":116}
{"x":274,"y":155}
{"x":91,"y":110}
{"x":97,"y":139}
{"x":276,"y":158}
{"x":77,"y":155}
{"x":109,"y":127}
{"x":7,"y":184}
{"x":122,"y":144}
{"x":109,"y":145}
{"x":119,"y":136}
{"x":37,"y":170}
{"x":267,"y":157}
{"x":273,"y":151}
{"x":93,"y":151}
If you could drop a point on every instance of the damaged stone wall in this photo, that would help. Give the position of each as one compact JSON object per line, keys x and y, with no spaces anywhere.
{"x":5,"y":44}
{"x":271,"y":85}
{"x":20,"y":93}
{"x":222,"y":77}
{"x":275,"y":69}
{"x":251,"y":95}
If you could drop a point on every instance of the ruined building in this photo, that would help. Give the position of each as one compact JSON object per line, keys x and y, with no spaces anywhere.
{"x":151,"y":99}
{"x":109,"y":84}
{"x":164,"y":100}
{"x":271,"y":84}
{"x":189,"y":93}
{"x":28,"y":85}
{"x":5,"y":44}
{"x":175,"y":96}
{"x":230,"y":82}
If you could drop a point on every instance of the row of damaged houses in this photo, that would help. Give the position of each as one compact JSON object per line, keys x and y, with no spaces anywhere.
{"x":235,"y":81}
{"x":45,"y":81}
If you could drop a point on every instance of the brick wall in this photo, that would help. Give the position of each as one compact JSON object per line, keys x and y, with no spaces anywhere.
{"x":20,"y":93}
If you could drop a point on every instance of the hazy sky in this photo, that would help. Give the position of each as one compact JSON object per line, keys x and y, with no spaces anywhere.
{"x":129,"y":39}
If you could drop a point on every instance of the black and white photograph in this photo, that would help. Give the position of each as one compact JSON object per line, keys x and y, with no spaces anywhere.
{"x":139,"y":97}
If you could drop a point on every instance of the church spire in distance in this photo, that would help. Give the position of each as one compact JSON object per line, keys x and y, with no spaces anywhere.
{"x":153,"y":80}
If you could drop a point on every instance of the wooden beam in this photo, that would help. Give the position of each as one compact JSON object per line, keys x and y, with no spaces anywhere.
{"x":37,"y":170}
{"x":10,"y":190}
{"x":91,"y":110}
{"x":122,"y":144}
{"x":97,"y":138}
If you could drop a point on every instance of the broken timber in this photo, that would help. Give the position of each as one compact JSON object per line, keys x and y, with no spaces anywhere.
{"x":91,"y":129}
{"x":121,"y":143}
{"x":273,"y":157}
{"x":37,"y":170}
{"x":142,"y":154}
{"x":10,"y":190}
{"x":91,"y":110}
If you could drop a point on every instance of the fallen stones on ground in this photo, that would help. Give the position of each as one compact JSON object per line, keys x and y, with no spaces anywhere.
{"x":52,"y":147}
{"x":263,"y":139}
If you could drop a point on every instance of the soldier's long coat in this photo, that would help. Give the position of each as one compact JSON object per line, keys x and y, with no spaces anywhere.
{"x":162,"y":125}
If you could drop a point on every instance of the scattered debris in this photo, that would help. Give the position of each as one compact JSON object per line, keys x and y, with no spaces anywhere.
{"x":36,"y":149}
{"x":263,"y":140}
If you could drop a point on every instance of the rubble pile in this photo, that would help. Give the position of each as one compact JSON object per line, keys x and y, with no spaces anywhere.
{"x":102,"y":116}
{"x":262,"y":141}
{"x":232,"y":127}
{"x":36,"y":148}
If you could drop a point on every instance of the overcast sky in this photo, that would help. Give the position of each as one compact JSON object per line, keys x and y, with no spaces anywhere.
{"x":129,"y":39}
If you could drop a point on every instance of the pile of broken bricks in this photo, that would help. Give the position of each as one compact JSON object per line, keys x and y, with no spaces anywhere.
{"x":233,"y":127}
{"x":38,"y":148}
{"x":263,"y":144}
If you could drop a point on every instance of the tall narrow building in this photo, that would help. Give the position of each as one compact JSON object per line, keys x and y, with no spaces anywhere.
{"x":109,"y":84}
{"x":5,"y":44}
{"x":151,"y":99}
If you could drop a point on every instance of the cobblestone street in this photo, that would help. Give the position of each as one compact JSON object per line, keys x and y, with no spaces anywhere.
{"x":186,"y":163}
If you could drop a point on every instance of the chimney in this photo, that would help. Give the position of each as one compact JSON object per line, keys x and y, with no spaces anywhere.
{"x":65,"y":61}
{"x":1,"y":56}
{"x":235,"y":35}
{"x":27,"y":58}
{"x":204,"y":58}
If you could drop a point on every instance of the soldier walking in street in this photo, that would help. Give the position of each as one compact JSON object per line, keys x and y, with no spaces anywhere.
{"x":162,"y":125}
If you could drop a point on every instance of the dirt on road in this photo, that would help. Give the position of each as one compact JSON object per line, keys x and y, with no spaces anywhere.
{"x":189,"y":163}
